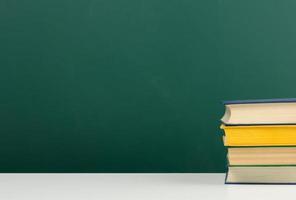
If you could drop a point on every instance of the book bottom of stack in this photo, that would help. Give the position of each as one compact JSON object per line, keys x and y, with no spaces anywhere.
{"x":261,"y":175}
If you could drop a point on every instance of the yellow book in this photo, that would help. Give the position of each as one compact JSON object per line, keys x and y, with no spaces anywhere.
{"x":271,"y":135}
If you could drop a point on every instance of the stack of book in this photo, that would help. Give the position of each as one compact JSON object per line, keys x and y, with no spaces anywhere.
{"x":260,"y":136}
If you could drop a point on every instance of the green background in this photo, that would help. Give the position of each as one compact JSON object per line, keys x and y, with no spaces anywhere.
{"x":134,"y":86}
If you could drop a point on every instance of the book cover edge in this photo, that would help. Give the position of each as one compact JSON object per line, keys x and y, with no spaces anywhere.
{"x":256,"y":101}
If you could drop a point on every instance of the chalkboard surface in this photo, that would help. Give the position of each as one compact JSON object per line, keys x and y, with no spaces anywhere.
{"x":134,"y":86}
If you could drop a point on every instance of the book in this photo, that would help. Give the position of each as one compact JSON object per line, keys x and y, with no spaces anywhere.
{"x":263,"y":111}
{"x":263,"y":175}
{"x":261,"y":156}
{"x":271,"y":135}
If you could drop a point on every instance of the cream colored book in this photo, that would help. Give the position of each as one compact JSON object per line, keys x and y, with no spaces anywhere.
{"x":261,"y":156}
{"x":265,"y":111}
{"x":263,"y":175}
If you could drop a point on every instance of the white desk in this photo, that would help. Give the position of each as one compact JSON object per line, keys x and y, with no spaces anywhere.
{"x":134,"y":187}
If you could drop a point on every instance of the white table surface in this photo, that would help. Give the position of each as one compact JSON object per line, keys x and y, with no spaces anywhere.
{"x":134,"y":187}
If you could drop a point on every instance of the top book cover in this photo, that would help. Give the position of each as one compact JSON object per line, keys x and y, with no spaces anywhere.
{"x":253,"y":101}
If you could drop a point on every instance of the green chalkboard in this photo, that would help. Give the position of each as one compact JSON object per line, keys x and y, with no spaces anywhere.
{"x":134,"y":86}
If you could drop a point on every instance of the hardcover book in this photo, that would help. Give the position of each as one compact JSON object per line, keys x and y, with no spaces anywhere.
{"x":261,"y":156}
{"x":276,"y":135}
{"x":264,"y":111}
{"x":263,"y":175}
